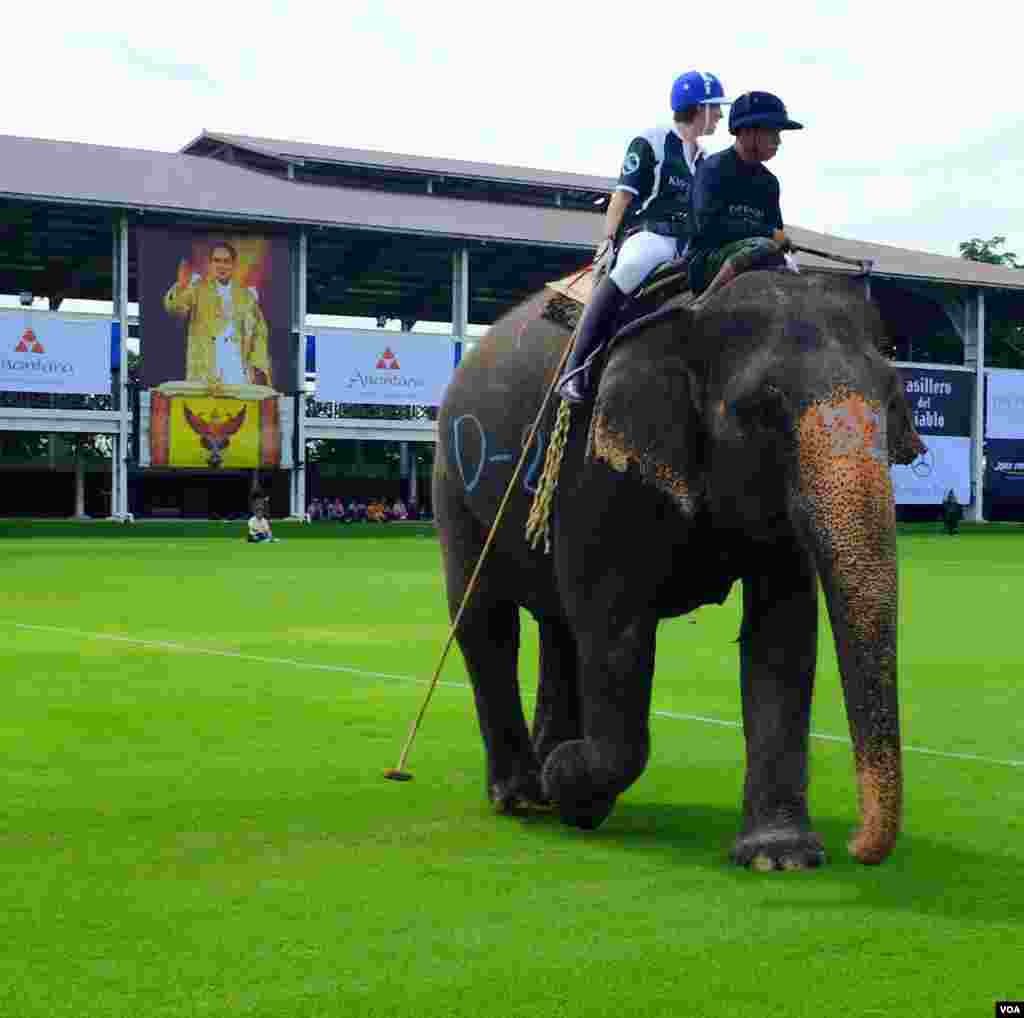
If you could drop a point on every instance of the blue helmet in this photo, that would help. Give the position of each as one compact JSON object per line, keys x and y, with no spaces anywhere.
{"x":697,"y":88}
{"x":760,"y":109}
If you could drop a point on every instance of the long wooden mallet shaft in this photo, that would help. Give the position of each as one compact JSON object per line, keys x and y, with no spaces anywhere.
{"x":399,"y":773}
{"x":864,"y":264}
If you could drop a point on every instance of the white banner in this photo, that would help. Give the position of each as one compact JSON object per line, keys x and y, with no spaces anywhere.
{"x":1005,"y":404}
{"x":946,"y":464}
{"x":395,"y":368}
{"x":43,"y":352}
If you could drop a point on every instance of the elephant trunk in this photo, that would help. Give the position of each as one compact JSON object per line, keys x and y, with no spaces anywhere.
{"x":847,"y":514}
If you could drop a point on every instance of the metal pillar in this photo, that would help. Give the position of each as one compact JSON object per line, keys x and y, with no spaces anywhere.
{"x":298,"y":472}
{"x":975,"y":349}
{"x":974,"y":357}
{"x":414,"y":492}
{"x":460,"y":299}
{"x":119,"y":453}
{"x":403,"y":468}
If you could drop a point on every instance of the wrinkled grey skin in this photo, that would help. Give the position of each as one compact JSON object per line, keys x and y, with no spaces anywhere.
{"x":748,"y":442}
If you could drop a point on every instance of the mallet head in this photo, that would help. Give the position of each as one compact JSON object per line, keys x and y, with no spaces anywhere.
{"x":393,"y":774}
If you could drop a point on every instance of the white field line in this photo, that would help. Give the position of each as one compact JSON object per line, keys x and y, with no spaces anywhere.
{"x":186,"y":648}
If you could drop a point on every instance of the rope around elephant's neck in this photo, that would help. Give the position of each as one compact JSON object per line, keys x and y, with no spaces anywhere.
{"x":539,"y":523}
{"x":399,"y":773}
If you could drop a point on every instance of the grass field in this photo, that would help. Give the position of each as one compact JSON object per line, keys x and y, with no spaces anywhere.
{"x":193,"y":820}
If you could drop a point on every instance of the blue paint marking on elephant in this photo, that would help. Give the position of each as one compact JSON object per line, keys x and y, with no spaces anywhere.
{"x":532,"y":475}
{"x":469,"y":484}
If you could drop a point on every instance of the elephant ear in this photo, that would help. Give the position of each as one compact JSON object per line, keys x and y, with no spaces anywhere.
{"x":646,"y":419}
{"x":905,"y":443}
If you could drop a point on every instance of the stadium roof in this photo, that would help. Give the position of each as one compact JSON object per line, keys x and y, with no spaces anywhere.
{"x":122,"y":178}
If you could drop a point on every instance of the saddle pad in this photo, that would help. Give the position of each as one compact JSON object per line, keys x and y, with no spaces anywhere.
{"x":669,"y":277}
{"x":577,"y":286}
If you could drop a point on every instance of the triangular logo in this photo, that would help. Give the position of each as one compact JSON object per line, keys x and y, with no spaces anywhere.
{"x":387,"y":361}
{"x":29,"y":343}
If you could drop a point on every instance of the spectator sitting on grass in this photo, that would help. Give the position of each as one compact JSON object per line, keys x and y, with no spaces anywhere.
{"x":398,"y":510}
{"x":314,"y":509}
{"x":337,"y":509}
{"x":259,"y":525}
{"x":375,"y":512}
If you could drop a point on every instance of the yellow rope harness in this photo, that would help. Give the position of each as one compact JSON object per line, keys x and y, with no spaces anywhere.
{"x":539,"y":523}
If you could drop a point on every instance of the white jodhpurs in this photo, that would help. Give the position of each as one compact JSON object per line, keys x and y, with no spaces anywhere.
{"x":640,"y":253}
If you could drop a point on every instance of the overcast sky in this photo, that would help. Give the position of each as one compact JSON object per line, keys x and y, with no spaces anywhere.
{"x":913,"y":111}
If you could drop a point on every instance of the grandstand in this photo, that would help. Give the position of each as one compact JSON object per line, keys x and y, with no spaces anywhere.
{"x":437,"y":246}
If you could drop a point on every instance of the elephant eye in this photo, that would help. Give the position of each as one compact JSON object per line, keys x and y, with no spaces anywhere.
{"x":767,"y":407}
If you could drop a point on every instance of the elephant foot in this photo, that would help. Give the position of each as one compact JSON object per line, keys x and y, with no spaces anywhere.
{"x":779,"y":848}
{"x":518,"y":794}
{"x":587,"y":816}
{"x":566,"y":782}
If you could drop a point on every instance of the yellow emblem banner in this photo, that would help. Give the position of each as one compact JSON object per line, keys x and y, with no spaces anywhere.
{"x":221,"y":433}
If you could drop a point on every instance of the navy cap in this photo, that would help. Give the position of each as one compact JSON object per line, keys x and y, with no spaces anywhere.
{"x":760,"y":109}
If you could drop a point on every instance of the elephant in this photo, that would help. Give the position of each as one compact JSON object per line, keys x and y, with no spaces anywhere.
{"x":750,"y":440}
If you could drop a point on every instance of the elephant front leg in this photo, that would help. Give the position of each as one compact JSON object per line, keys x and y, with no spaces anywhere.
{"x":489,"y":639}
{"x":584,"y":776}
{"x":488,"y":636}
{"x":778,"y":651}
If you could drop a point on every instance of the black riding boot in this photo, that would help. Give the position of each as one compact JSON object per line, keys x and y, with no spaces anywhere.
{"x":604,"y":305}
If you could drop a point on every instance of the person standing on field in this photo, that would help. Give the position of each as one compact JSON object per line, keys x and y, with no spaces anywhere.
{"x":952,"y":512}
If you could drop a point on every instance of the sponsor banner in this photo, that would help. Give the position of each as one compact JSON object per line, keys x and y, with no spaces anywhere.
{"x":926,"y":481}
{"x":216,"y":432}
{"x":1004,"y":409}
{"x":939,"y":399}
{"x":43,"y":352}
{"x":394,"y":368}
{"x":1005,"y":460}
{"x":215,"y":312}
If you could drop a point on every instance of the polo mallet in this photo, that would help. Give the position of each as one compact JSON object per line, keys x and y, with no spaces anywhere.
{"x":864,"y":264}
{"x":399,"y":773}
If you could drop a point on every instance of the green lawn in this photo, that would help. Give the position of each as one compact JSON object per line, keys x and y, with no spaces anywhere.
{"x":193,"y":819}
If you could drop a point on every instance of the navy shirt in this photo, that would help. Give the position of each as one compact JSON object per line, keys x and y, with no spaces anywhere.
{"x":657,"y":172}
{"x":732,"y":200}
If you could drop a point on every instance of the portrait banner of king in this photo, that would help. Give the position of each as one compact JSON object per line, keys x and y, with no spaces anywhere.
{"x":215,"y":313}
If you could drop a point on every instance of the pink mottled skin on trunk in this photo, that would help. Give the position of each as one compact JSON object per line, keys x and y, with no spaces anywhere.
{"x":847,"y":496}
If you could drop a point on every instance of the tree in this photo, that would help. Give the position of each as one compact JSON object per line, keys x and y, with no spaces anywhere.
{"x":978,"y":250}
{"x":1005,"y":339}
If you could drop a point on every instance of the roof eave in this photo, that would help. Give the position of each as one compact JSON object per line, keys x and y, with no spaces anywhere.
{"x":296,"y":221}
{"x":231,"y":142}
{"x":910,"y":277}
